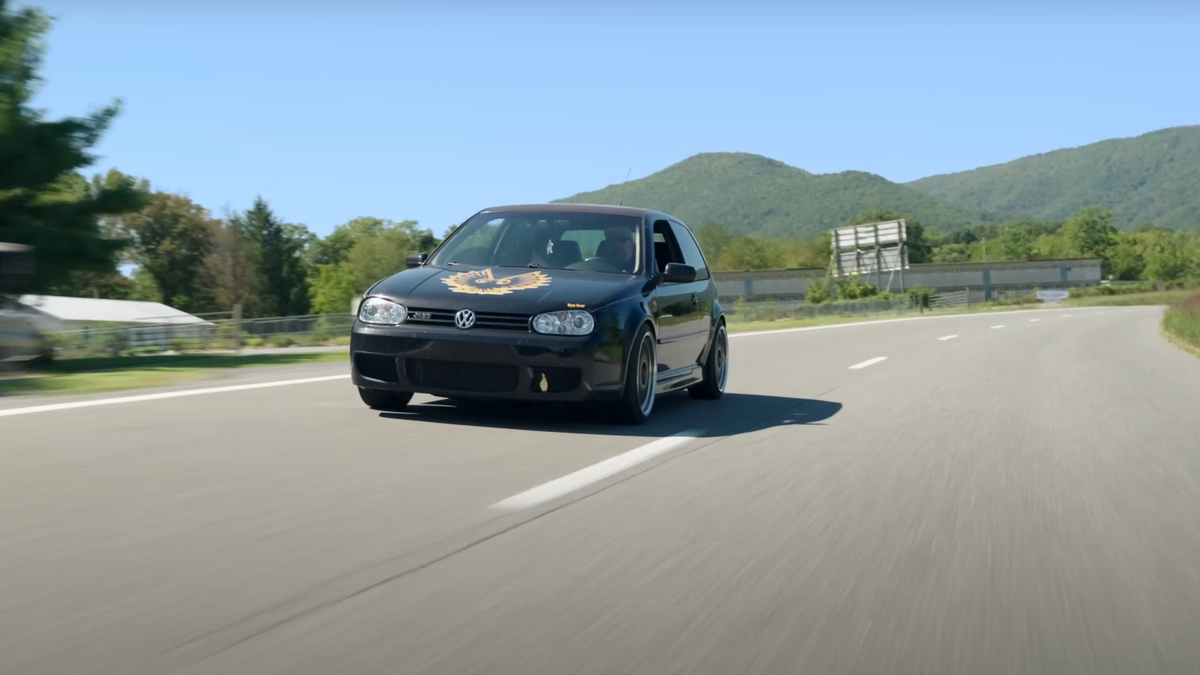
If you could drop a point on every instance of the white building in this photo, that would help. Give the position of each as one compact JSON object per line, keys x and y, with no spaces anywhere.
{"x":135,"y":323}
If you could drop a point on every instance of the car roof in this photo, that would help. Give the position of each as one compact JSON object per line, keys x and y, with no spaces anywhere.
{"x":605,"y":209}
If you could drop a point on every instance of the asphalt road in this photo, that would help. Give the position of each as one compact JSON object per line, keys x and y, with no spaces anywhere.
{"x":1015,"y":499}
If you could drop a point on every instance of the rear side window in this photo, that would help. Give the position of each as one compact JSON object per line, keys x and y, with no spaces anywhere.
{"x":690,"y":249}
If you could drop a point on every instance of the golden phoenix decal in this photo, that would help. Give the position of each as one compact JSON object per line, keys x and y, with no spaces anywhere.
{"x":483,"y":282}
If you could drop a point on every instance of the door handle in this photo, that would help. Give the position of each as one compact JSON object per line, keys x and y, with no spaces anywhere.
{"x":694,"y":300}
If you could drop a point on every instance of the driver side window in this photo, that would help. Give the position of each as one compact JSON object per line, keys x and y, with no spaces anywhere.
{"x":666,"y":249}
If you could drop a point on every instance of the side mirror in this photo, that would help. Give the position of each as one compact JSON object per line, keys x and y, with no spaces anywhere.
{"x":417,"y":259}
{"x":678,"y":273}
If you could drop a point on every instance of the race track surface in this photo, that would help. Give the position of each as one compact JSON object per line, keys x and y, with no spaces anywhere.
{"x":984,"y":494}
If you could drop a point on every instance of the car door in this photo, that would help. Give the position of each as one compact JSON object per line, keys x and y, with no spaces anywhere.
{"x":676,"y":305}
{"x":702,"y":293}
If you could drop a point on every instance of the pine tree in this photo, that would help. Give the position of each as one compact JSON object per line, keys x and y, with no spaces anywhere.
{"x":44,"y":201}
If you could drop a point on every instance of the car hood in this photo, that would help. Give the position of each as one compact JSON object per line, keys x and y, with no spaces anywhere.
{"x":515,"y":290}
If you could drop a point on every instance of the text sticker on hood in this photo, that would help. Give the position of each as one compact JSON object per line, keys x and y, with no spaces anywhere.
{"x":484,"y":282}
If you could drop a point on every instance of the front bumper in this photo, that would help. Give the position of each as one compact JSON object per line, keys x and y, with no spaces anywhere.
{"x":485,"y":363}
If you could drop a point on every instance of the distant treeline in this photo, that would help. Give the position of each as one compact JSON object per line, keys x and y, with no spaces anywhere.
{"x":1146,"y":253}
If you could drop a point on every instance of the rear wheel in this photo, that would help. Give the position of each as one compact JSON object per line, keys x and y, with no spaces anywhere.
{"x":641,"y":378}
{"x":716,"y":368}
{"x":378,"y":399}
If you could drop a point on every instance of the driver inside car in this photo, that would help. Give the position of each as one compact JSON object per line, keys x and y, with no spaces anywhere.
{"x":619,"y":248}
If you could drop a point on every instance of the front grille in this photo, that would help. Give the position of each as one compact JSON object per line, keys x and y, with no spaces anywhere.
{"x":493,"y":378}
{"x":445,"y":317}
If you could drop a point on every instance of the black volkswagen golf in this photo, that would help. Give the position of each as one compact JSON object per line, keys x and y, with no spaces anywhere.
{"x":557,"y":302}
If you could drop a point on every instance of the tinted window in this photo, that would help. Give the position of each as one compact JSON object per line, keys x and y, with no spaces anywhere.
{"x":690,"y":249}
{"x":547,"y":240}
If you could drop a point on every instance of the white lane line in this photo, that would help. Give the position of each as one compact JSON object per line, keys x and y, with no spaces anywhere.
{"x":868,"y":362}
{"x":596,"y":472}
{"x":1066,"y":315}
{"x":1032,"y":320}
{"x":28,"y":410}
{"x":948,"y":337}
{"x":995,"y":327}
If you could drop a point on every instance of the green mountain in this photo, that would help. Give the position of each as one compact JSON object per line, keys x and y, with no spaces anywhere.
{"x":755,"y":195}
{"x":1152,"y":178}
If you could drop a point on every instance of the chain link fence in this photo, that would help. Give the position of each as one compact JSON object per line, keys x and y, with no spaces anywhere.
{"x":218,"y":332}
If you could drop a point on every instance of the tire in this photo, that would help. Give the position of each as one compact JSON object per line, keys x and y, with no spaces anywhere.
{"x":641,"y":376}
{"x":716,"y":368}
{"x":378,"y":399}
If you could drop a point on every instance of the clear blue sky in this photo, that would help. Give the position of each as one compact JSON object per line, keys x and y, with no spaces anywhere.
{"x":400,"y":109}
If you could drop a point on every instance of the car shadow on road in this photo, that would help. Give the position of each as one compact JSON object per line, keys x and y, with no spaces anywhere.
{"x":735,"y":413}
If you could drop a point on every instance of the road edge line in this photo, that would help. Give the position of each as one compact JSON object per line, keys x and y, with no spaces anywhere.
{"x":28,"y":410}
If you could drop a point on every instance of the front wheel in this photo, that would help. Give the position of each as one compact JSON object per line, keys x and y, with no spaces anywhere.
{"x":716,"y":368}
{"x":379,"y":399}
{"x":641,"y":380}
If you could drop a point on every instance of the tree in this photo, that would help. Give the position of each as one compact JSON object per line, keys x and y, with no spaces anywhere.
{"x":116,"y":226}
{"x":173,"y":237}
{"x":712,"y":238}
{"x":1165,"y":259}
{"x":384,"y":251}
{"x":44,"y":202}
{"x":279,"y":250}
{"x":231,"y":269}
{"x":1090,"y":232}
{"x":333,"y":289}
{"x":1012,"y":242}
{"x":357,"y":254}
{"x":747,"y":253}
{"x":336,"y":247}
{"x":1125,"y":257}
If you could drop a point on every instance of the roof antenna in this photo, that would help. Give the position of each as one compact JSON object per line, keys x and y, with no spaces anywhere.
{"x":622,"y":201}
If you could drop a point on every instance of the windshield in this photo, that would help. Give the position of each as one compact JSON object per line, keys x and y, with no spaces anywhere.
{"x":545,"y":239}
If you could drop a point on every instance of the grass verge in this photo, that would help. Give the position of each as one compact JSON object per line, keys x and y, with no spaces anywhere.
{"x":1129,"y":299}
{"x":104,"y":374}
{"x":1181,"y":324}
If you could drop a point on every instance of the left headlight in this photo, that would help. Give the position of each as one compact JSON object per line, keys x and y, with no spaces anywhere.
{"x":381,"y":312}
{"x":566,"y":322}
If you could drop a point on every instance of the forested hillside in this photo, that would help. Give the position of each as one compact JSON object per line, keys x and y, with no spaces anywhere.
{"x":1152,"y":178}
{"x":762,"y":197}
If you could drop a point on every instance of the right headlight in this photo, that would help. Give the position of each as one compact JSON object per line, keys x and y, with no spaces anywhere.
{"x":566,"y":322}
{"x":382,"y":312}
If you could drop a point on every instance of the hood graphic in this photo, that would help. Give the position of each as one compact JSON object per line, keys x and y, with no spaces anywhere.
{"x":485,"y":282}
{"x":505,"y":289}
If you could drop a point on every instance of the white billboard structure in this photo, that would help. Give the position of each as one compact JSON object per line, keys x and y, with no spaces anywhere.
{"x":859,"y":250}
